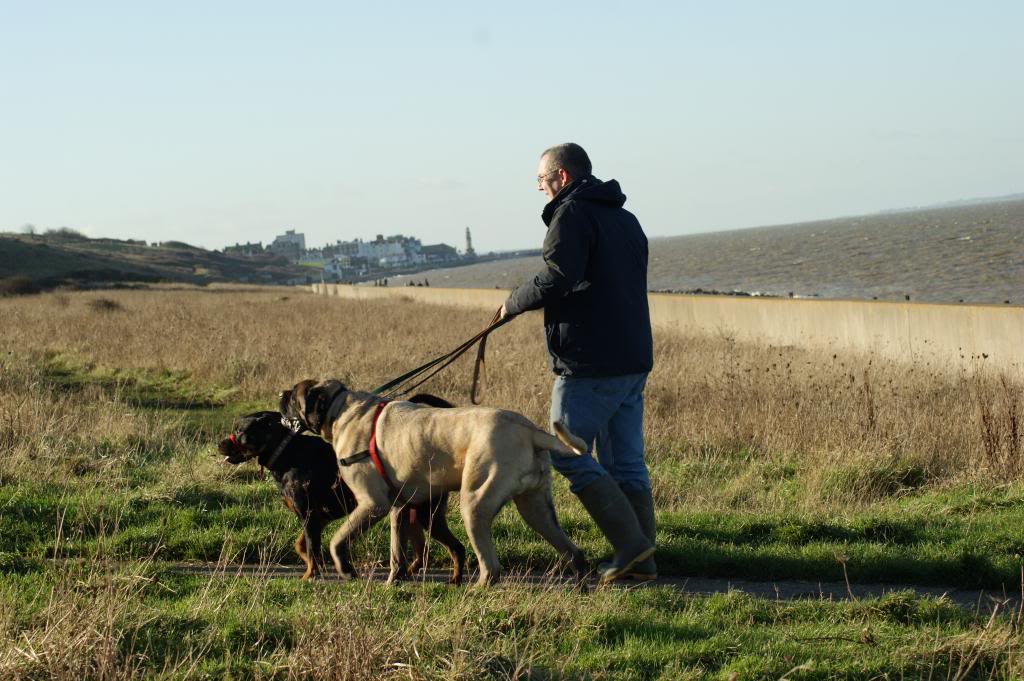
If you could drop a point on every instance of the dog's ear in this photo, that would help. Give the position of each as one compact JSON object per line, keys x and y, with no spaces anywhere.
{"x":284,"y":399}
{"x":292,"y":405}
{"x":318,"y":401}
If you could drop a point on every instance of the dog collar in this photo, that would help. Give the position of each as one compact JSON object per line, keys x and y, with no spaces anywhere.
{"x":333,"y":409}
{"x":280,"y":449}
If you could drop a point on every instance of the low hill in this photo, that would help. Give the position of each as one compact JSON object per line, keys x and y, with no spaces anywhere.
{"x":966,"y":253}
{"x":62,"y":259}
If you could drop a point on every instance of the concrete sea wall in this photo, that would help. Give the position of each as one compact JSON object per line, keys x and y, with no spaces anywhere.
{"x":956,"y":336}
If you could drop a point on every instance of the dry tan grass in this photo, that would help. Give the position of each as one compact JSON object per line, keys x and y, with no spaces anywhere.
{"x":728,"y":427}
{"x":724,"y":420}
{"x":80,"y":632}
{"x":101,"y":622}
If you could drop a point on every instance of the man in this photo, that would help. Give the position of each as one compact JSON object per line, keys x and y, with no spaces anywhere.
{"x":593,"y":289}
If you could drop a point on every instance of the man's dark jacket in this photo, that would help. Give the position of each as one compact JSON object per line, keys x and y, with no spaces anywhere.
{"x":594,"y":286}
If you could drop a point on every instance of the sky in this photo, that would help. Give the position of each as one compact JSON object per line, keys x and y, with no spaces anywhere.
{"x":222,"y":122}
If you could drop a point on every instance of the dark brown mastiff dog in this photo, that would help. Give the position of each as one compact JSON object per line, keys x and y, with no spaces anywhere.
{"x":489,"y":455}
{"x":306,"y":472}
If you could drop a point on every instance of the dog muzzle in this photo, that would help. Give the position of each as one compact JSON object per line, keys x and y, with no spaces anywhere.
{"x":232,"y":450}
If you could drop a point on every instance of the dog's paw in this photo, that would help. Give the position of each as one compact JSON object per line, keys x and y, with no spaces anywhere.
{"x":488,"y":578}
{"x":400,"y":575}
{"x":314,"y":575}
{"x":346,"y":573}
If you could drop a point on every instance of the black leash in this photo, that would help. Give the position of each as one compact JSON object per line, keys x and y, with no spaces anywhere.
{"x":404,"y":384}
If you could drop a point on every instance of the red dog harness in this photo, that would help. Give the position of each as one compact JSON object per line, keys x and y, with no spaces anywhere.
{"x":372,"y":453}
{"x":373,"y":445}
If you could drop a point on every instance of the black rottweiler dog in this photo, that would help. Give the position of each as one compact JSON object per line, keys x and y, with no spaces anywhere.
{"x":306,"y":472}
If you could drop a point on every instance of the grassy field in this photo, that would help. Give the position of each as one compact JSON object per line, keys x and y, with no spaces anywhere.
{"x":767,"y":463}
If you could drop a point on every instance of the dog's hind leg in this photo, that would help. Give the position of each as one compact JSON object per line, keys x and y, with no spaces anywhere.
{"x":313,"y":532}
{"x":538,"y":511}
{"x":362,"y":518}
{"x":300,"y":548}
{"x":309,"y":550}
{"x":478,"y":508}
{"x":399,"y":533}
{"x":417,"y":538}
{"x":439,"y":530}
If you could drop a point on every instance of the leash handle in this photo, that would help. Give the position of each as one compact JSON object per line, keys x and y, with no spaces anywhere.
{"x":480,"y":366}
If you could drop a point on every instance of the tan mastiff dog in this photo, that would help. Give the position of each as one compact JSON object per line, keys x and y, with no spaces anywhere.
{"x":488,"y":455}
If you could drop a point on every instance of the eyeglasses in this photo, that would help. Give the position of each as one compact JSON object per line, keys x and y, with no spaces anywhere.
{"x":541,"y":178}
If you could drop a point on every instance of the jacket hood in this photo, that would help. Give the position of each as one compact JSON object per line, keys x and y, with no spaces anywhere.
{"x":586,"y":189}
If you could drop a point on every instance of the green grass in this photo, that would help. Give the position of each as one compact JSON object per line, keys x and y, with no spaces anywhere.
{"x":155,"y":390}
{"x":249,"y":627}
{"x":966,"y":536}
{"x":126,"y":504}
{"x":958,"y":538}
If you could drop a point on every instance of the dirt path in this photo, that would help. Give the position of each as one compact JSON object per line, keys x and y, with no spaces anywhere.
{"x":974,"y":600}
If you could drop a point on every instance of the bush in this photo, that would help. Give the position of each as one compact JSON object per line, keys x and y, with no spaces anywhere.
{"x":17,"y":286}
{"x":66,"y":233}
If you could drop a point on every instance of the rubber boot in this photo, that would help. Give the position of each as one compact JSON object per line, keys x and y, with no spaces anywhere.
{"x":615,"y":517}
{"x":643,"y":505}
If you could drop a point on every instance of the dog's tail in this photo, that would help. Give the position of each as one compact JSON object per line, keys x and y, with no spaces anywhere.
{"x":564,"y":442}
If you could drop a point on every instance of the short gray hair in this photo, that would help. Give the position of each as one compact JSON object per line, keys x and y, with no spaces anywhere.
{"x":571,"y":157}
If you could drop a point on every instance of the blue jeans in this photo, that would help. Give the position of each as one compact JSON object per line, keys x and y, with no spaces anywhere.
{"x":608,"y":411}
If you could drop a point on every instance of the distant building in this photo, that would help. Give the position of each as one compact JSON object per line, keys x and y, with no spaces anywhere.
{"x":439,"y":253}
{"x":470,"y":253}
{"x":336,"y":269}
{"x":247,"y":249}
{"x":289,"y":244}
{"x":316,"y":255}
{"x":352,"y":259}
{"x":392,"y":251}
{"x":290,"y":237}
